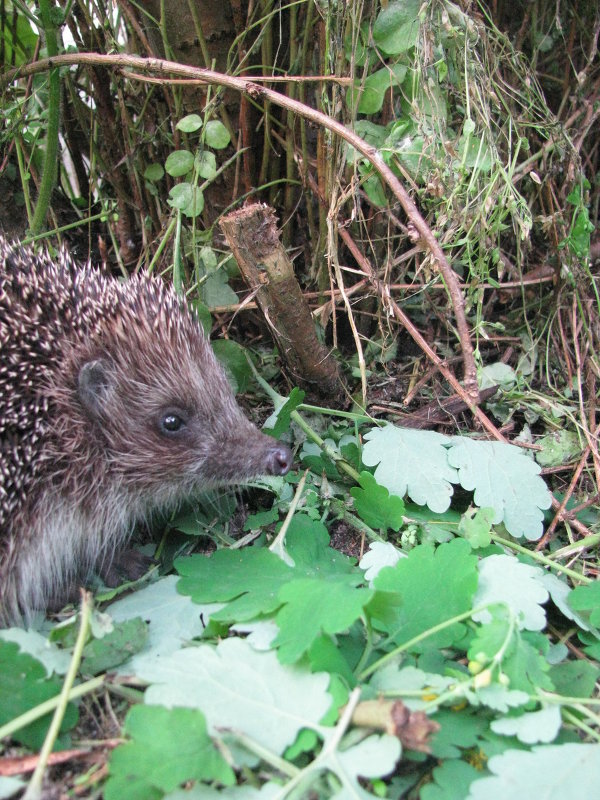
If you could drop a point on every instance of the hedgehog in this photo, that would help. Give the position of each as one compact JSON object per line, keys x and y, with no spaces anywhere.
{"x":112,"y":407}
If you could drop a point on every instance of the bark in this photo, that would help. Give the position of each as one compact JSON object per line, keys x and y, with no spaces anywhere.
{"x":253,"y":237}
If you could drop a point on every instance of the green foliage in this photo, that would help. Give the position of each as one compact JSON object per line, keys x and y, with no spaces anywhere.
{"x":375,"y":505}
{"x":425,"y":464}
{"x":124,"y":640}
{"x":404,"y":611}
{"x":166,"y":749}
{"x":24,"y":684}
{"x":556,"y":771}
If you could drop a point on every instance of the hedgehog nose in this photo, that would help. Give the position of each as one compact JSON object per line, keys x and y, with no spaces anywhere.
{"x":279,"y":460}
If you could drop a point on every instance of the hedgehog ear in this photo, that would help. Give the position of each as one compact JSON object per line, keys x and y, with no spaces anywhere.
{"x":93,"y":384}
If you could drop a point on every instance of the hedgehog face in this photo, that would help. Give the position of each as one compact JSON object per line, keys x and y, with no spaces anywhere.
{"x":177,"y":428}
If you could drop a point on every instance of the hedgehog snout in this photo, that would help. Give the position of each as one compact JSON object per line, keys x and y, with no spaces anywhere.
{"x":279,"y":459}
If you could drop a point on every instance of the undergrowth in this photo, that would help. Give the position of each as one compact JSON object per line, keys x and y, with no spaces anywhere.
{"x":447,"y":648}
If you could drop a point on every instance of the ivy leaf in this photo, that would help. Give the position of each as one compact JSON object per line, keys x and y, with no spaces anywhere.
{"x":505,"y":479}
{"x":312,"y":606}
{"x":504,"y":579}
{"x":375,"y":505}
{"x":426,"y":588}
{"x":167,"y":748}
{"x":411,"y":461}
{"x":551,"y":771}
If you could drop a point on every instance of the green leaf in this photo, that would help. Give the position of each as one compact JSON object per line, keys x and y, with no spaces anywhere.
{"x":181,"y":195}
{"x":255,"y":522}
{"x":248,"y":580}
{"x":476,"y":526}
{"x":526,"y":666}
{"x":425,"y":589}
{"x":187,"y":198}
{"x":55,"y":659}
{"x":491,"y":637}
{"x":375,"y":505}
{"x":307,"y":543}
{"x":372,"y":93}
{"x":411,"y":461}
{"x":555,"y":772}
{"x":458,"y":730}
{"x":167,"y":749}
{"x":126,"y":639}
{"x":575,"y":678}
{"x":239,"y":688}
{"x":312,"y":606}
{"x":531,"y":727}
{"x":558,"y":448}
{"x":179,"y":163}
{"x":451,"y":781}
{"x":371,"y":758}
{"x":216,"y":134}
{"x":216,"y":291}
{"x":400,"y":680}
{"x":496,"y":374}
{"x":587,"y":598}
{"x":233,"y":358}
{"x":397,"y":27}
{"x":196,"y":204}
{"x":23,"y":686}
{"x":282,"y":416}
{"x":190,"y":123}
{"x":504,"y":579}
{"x":378,"y":556}
{"x":474,"y":153}
{"x":505,"y":479}
{"x":154,"y":172}
{"x":206,"y":164}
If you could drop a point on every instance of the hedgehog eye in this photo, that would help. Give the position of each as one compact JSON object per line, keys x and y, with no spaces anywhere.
{"x":172,"y":422}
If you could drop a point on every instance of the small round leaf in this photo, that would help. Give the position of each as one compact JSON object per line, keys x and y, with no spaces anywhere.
{"x":216,"y":134}
{"x":179,"y":163}
{"x":189,"y":124}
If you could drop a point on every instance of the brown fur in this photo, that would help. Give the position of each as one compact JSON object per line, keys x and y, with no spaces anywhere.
{"x":89,"y":370}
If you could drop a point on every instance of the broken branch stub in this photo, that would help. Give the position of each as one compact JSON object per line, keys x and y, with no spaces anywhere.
{"x":252,"y":234}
